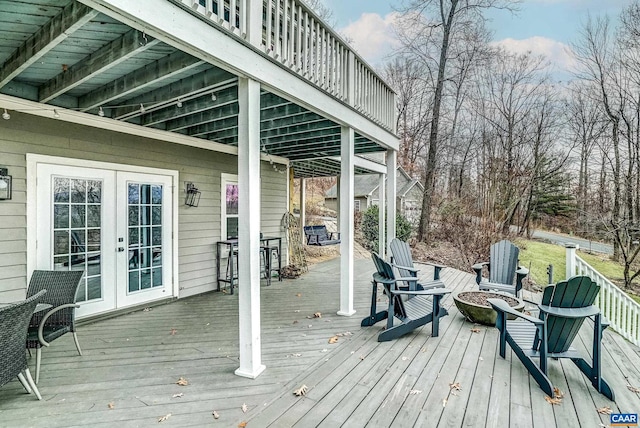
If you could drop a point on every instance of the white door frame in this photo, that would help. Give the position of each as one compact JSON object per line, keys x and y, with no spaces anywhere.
{"x":32,"y":210}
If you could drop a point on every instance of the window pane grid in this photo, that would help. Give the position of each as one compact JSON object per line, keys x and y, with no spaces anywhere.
{"x":77,"y":225}
{"x":144,"y":207}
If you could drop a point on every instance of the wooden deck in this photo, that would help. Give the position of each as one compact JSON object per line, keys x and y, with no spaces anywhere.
{"x":132,"y":363}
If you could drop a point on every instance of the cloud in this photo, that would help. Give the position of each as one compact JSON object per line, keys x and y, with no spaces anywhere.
{"x":372,"y":36}
{"x":558,"y":53}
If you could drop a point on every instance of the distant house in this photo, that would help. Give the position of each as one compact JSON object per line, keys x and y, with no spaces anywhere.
{"x":408,"y":195}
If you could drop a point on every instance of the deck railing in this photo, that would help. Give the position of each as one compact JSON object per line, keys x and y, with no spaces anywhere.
{"x":295,"y":36}
{"x":620,"y":310}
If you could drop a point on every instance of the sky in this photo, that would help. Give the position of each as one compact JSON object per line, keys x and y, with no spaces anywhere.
{"x":541,"y":26}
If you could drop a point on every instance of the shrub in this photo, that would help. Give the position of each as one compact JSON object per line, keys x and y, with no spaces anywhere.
{"x":369,"y":227}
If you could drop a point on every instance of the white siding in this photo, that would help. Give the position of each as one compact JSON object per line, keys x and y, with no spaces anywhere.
{"x":198,"y":227}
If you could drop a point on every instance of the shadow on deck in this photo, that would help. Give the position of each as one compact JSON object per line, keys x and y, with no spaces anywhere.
{"x":131,"y":364}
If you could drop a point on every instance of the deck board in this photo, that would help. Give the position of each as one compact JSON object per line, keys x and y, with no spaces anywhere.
{"x":134,"y":360}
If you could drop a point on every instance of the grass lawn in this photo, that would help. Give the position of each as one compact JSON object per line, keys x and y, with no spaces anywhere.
{"x":536,"y":256}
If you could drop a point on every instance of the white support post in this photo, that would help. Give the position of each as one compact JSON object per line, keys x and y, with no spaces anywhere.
{"x":382,"y":247}
{"x":338,"y":201}
{"x":249,"y":228}
{"x":391,"y":197}
{"x":570,"y":262}
{"x":347,"y":168}
{"x":303,"y":206}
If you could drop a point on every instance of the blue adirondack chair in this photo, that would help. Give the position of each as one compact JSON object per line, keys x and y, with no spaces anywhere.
{"x":563,"y":309}
{"x":420,"y":307}
{"x":403,"y":262}
{"x":503,"y":266}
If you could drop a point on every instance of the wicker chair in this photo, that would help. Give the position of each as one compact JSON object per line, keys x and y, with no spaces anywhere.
{"x":14,"y":320}
{"x":48,"y":326}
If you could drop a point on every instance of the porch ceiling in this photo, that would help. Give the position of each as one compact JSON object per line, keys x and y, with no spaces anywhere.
{"x":61,"y":53}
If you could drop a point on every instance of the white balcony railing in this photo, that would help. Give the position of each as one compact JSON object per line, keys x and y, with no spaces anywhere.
{"x":295,"y":36}
{"x":620,"y":310}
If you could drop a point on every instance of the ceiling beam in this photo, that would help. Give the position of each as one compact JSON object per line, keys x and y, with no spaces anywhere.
{"x":70,"y":19}
{"x":188,"y":88}
{"x":136,"y":81}
{"x":108,"y":56}
{"x":203,"y":117}
{"x":191,"y":103}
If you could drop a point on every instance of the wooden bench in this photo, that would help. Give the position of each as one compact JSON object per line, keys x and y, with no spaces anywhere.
{"x":318,"y":235}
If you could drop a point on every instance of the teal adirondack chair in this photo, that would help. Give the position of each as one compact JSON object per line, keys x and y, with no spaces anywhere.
{"x":503,"y":267}
{"x":412,"y":308}
{"x":403,"y":262}
{"x":563,"y":309}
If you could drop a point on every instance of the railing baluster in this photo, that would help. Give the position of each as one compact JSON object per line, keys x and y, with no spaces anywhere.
{"x":299,"y":54}
{"x":286,"y":36}
{"x":269,"y":26}
{"x":622,"y":312}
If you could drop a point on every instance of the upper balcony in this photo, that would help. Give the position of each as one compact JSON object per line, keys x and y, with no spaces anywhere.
{"x":173,"y":65}
{"x":293,"y":35}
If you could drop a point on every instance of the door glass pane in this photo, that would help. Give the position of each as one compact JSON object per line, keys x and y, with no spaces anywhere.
{"x":145,"y":242}
{"x":77,"y":231}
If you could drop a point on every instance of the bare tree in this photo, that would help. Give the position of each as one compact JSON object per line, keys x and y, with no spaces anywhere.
{"x":598,"y":66}
{"x":430,"y":29}
{"x":322,"y":10}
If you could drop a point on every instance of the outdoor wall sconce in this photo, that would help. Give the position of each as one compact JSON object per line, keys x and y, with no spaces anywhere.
{"x":5,"y":184}
{"x":193,"y":195}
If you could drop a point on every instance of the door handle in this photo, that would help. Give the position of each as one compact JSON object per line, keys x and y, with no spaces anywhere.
{"x":120,"y":249}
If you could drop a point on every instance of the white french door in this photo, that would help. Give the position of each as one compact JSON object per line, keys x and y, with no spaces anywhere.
{"x":114,"y":225}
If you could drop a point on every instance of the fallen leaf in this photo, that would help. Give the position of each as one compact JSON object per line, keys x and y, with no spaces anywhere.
{"x":444,"y":402}
{"x":111,"y":406}
{"x":173,"y":332}
{"x":455,"y":386}
{"x":242,"y":424}
{"x":553,"y":401}
{"x":244,"y":408}
{"x":605,"y":410}
{"x":164,"y":418}
{"x":557,"y":393}
{"x":333,"y":339}
{"x":179,"y":395}
{"x":475,"y":330}
{"x":415,"y":392}
{"x":317,"y":315}
{"x":301,"y":391}
{"x":182,"y":382}
{"x":215,"y":415}
{"x":299,"y":295}
{"x":633,"y":388}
